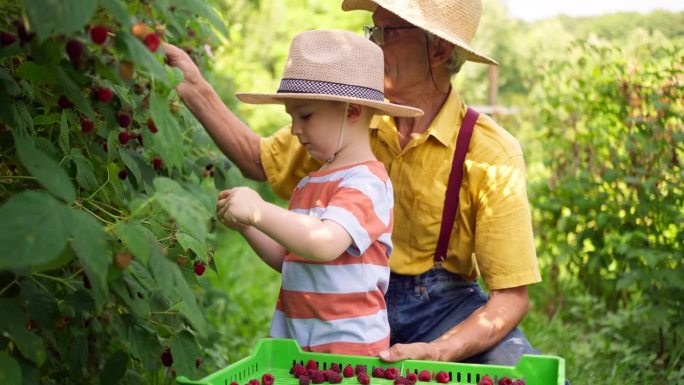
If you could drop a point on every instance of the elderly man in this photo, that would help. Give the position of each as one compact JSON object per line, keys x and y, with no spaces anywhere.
{"x":455,"y":218}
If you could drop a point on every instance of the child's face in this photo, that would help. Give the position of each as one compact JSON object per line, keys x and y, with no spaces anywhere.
{"x":317,"y":124}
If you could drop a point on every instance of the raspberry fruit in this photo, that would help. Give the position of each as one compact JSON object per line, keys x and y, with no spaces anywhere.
{"x":334,"y":378}
{"x":348,"y":371}
{"x":335,"y":368}
{"x":311,"y":364}
{"x":485,"y":380}
{"x":253,"y":381}
{"x":124,"y":137}
{"x":126,"y":70}
{"x":379,"y":373}
{"x":98,"y":34}
{"x":139,"y":30}
{"x":123,"y":258}
{"x":361,"y":369}
{"x":424,"y":376}
{"x":124,"y":119}
{"x":198,"y":363}
{"x":104,"y":95}
{"x":505,"y":381}
{"x":411,"y":378}
{"x":87,"y":126}
{"x":391,"y":373}
{"x":153,"y":127}
{"x":64,"y":102}
{"x":400,"y":380}
{"x":75,"y":49}
{"x":234,"y":383}
{"x":267,"y":379}
{"x":158,"y":164}
{"x":167,"y":358}
{"x":297,"y":370}
{"x":442,"y":377}
{"x":199,"y":268}
{"x":152,"y":42}
{"x":363,"y":378}
{"x":7,"y":38}
{"x":318,"y":378}
{"x":304,"y":380}
{"x":519,"y":382}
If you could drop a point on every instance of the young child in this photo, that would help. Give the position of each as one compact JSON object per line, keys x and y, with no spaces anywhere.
{"x":332,"y":245}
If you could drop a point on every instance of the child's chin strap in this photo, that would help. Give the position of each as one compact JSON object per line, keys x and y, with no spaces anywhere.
{"x":339,"y":143}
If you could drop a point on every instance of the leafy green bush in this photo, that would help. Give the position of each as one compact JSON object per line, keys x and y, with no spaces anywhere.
{"x":107,"y":187}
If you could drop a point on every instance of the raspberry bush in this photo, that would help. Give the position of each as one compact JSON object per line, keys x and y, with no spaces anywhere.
{"x":105,"y":198}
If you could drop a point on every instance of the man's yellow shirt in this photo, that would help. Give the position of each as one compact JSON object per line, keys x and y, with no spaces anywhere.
{"x":492,"y":233}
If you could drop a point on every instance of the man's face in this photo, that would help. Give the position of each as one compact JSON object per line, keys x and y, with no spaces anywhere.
{"x":405,"y":52}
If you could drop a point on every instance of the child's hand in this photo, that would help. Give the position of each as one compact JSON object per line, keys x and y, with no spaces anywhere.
{"x":239,"y":205}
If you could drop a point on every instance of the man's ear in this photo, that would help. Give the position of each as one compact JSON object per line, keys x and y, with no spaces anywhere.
{"x":440,"y":51}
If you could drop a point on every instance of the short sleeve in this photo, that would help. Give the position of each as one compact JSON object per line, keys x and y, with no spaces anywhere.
{"x":285,"y":161}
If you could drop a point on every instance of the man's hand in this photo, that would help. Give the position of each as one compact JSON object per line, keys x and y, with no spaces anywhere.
{"x":178,"y":58}
{"x":240,"y":205}
{"x":414,"y":351}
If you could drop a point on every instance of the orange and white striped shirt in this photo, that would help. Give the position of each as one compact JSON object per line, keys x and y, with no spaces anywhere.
{"x":339,"y":306}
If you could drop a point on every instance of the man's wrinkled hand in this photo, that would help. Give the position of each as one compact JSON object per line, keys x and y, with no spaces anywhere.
{"x":414,"y":351}
{"x":176,"y":57}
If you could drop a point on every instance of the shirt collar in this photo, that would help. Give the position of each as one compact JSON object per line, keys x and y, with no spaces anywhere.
{"x":442,"y":126}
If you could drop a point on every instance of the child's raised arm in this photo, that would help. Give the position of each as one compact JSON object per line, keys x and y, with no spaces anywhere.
{"x":303,"y":235}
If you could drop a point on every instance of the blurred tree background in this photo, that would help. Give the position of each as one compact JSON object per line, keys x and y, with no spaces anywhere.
{"x":599,"y":104}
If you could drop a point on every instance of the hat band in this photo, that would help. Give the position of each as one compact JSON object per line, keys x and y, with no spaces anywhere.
{"x":303,"y":86}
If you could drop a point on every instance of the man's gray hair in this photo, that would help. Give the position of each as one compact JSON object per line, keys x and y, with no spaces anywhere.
{"x":455,"y":61}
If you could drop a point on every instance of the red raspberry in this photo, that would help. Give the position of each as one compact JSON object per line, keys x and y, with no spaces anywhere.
{"x":505,"y":381}
{"x":253,"y":381}
{"x":391,"y":373}
{"x":267,"y":379}
{"x":363,"y":378}
{"x":24,"y":36}
{"x":334,"y":378}
{"x":318,"y":378}
{"x":158,"y":164}
{"x":198,"y":362}
{"x":424,"y":376}
{"x":124,"y":120}
{"x":167,"y":358}
{"x":98,"y":34}
{"x":298,"y":370}
{"x":442,"y":377}
{"x":152,"y":42}
{"x":234,"y":383}
{"x":335,"y":368}
{"x":399,"y":380}
{"x":303,"y":380}
{"x":123,"y":175}
{"x":379,"y":373}
{"x":152,"y":126}
{"x":348,"y":371}
{"x":518,"y":382}
{"x":104,"y":95}
{"x":7,"y":38}
{"x":87,"y":126}
{"x":361,"y":369}
{"x":124,"y":137}
{"x":485,"y":380}
{"x":75,"y":49}
{"x":64,"y":102}
{"x":311,"y":364}
{"x":199,"y":268}
{"x":411,"y":378}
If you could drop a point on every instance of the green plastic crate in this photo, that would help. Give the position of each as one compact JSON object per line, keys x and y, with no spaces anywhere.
{"x":277,"y":356}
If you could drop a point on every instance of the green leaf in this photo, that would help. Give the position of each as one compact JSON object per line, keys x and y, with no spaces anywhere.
{"x":10,"y":372}
{"x":8,"y":82}
{"x":189,"y":213}
{"x":188,"y":242}
{"x":138,"y":306}
{"x":169,"y":138}
{"x":63,"y":139}
{"x":34,"y":229}
{"x":114,"y":369}
{"x":85,"y":172}
{"x":131,"y":164}
{"x":52,"y":17}
{"x":41,"y":305}
{"x":185,"y":352}
{"x":92,"y":249}
{"x":73,"y":92}
{"x":204,"y":10}
{"x":36,"y":73}
{"x":13,"y":325}
{"x":118,"y":11}
{"x":138,"y":239}
{"x":140,"y":55}
{"x":46,"y":170}
{"x":46,"y":120}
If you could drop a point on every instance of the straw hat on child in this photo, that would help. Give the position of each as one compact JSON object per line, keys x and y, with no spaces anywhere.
{"x":455,"y":21}
{"x":333,"y":65}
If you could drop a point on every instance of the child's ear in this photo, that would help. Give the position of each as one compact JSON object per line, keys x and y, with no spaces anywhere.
{"x":354,"y":112}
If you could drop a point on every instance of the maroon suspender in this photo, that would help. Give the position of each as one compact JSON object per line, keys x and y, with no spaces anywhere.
{"x":454,"y":185}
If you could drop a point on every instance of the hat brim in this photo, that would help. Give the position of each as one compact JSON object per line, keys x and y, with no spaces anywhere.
{"x":383,"y":108}
{"x":371,"y":5}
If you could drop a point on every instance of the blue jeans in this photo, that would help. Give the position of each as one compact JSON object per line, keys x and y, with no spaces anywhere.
{"x":423,"y":307}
